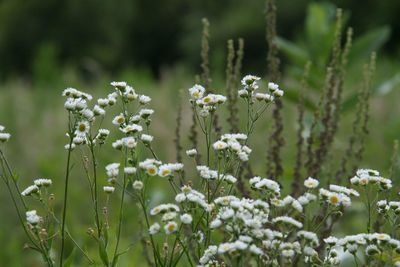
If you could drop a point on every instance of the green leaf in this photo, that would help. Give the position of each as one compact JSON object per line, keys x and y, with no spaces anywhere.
{"x":103,"y":253}
{"x":320,"y":29}
{"x":295,"y":53}
{"x":371,"y":41}
{"x":68,"y":262}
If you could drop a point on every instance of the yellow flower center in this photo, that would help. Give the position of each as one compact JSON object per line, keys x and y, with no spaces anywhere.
{"x":207,"y":99}
{"x":171,"y":227}
{"x":82,"y":127}
{"x":152,"y":170}
{"x":120,"y":120}
{"x":165,"y":172}
{"x":334,"y":199}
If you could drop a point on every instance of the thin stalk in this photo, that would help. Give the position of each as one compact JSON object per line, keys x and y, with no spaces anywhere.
{"x":67,"y":172}
{"x":96,"y":209}
{"x":121,"y":215}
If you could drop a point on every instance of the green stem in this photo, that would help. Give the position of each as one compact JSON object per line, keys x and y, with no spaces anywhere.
{"x":95,"y":198}
{"x":64,"y":216}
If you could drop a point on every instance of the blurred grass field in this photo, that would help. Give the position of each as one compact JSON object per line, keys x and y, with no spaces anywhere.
{"x":37,"y":120}
{"x":32,"y":110}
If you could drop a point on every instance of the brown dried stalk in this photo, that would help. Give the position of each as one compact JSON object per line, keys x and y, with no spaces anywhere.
{"x":276,"y":140}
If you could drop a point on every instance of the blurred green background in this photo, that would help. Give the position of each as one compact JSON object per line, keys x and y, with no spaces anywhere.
{"x":47,"y":45}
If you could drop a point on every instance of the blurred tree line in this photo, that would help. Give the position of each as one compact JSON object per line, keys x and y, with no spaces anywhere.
{"x":104,"y":35}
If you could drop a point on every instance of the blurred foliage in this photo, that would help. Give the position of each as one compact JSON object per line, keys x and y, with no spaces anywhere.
{"x":102,"y":35}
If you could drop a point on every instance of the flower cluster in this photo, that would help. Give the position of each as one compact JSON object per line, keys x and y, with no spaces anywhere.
{"x":365,"y":177}
{"x":206,"y":103}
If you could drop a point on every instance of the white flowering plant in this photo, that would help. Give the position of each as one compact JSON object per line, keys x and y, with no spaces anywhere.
{"x":209,"y":221}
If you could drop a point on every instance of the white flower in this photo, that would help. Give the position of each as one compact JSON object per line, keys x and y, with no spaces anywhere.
{"x":146,"y":138}
{"x":273,"y":86}
{"x":97,"y":110}
{"x":132,"y":128}
{"x":311,"y":183}
{"x":215,"y":223}
{"x":4,"y":137}
{"x":287,"y":220}
{"x":70,"y":147}
{"x":154,"y":229}
{"x":191,"y":152}
{"x":220,"y":145}
{"x":138,"y":185}
{"x":32,"y":217}
{"x":82,"y":128}
{"x":129,"y":142}
{"x":144,"y":99}
{"x":108,"y":189}
{"x":186,"y":218}
{"x":256,"y":250}
{"x":119,"y":119}
{"x":112,"y":170}
{"x":32,"y":189}
{"x":331,"y":240}
{"x":145,"y":113}
{"x":119,"y":85}
{"x":171,"y":227}
{"x":197,"y":91}
{"x":42,"y":182}
{"x":2,"y":128}
{"x":129,"y":170}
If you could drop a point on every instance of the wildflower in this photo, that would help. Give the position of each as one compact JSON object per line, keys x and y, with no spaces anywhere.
{"x":270,"y":185}
{"x":32,"y":189}
{"x":191,"y":152}
{"x":138,"y":185}
{"x":4,"y":137}
{"x":164,"y":207}
{"x":2,"y":128}
{"x":82,"y":128}
{"x":311,"y":183}
{"x":250,"y":82}
{"x":97,"y":110}
{"x":32,"y":217}
{"x":69,"y":147}
{"x":171,"y":227}
{"x":154,"y":229}
{"x":78,"y":140}
{"x":108,"y":189}
{"x":119,"y":119}
{"x":42,"y":182}
{"x":88,"y":114}
{"x":220,"y":145}
{"x":112,"y":170}
{"x":331,"y":240}
{"x":344,"y":190}
{"x":129,"y":170}
{"x":119,"y":85}
{"x":151,"y":170}
{"x":287,"y":220}
{"x":129,"y":142}
{"x":146,"y":138}
{"x":132,"y":128}
{"x":169,"y":216}
{"x":145,"y":113}
{"x":197,"y":91}
{"x":144,"y":99}
{"x":186,"y":218}
{"x":273,"y":86}
{"x":102,"y":102}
